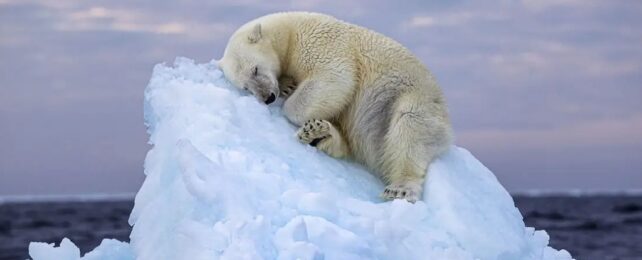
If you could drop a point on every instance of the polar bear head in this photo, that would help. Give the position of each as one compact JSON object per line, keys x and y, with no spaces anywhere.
{"x":251,"y":63}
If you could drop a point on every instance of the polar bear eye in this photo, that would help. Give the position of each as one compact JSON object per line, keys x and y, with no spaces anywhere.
{"x":255,"y":71}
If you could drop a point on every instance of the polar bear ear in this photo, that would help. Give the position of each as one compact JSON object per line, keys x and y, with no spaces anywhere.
{"x":255,"y":35}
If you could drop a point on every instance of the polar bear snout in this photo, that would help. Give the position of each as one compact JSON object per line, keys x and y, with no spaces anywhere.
{"x":264,"y":92}
{"x":265,"y":95}
{"x":270,"y":99}
{"x":264,"y":88}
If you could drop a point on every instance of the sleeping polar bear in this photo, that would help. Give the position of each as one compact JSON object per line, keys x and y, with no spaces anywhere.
{"x":355,"y":93}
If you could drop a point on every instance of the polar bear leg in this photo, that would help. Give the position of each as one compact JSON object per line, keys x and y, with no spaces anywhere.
{"x":415,"y":137}
{"x":314,"y":99}
{"x":324,"y":136}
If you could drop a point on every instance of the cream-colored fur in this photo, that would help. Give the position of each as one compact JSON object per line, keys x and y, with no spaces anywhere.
{"x":355,"y":93}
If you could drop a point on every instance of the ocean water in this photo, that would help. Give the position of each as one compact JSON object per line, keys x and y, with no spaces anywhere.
{"x":589,"y":227}
{"x":595,"y":227}
{"x":85,"y":223}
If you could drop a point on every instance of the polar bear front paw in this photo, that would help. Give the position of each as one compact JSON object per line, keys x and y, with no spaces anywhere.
{"x":408,"y":191}
{"x":287,"y":86}
{"x":314,"y":131}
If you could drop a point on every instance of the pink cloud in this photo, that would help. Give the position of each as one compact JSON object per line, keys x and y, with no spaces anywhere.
{"x":592,"y":134}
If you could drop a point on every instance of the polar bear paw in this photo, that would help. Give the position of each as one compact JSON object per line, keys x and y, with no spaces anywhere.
{"x":402,"y":190}
{"x":287,"y":86}
{"x":314,"y":131}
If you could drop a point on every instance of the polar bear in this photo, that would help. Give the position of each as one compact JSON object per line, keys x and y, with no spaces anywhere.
{"x":355,"y":93}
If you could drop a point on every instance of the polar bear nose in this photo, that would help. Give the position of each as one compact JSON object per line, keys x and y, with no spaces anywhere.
{"x":270,"y":99}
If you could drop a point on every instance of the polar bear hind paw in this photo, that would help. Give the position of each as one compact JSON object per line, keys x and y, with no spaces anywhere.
{"x":407,"y":191}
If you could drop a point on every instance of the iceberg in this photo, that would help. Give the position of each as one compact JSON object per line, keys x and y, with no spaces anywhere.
{"x":227,"y":179}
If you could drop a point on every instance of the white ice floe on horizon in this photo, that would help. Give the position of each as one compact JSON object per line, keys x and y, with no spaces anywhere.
{"x":109,"y":249}
{"x":226,"y":179}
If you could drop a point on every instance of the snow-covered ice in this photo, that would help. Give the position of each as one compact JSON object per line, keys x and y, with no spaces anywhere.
{"x":109,"y":249}
{"x":226,"y":179}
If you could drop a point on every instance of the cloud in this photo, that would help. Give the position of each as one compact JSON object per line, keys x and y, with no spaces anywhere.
{"x":591,"y":134}
{"x":542,"y":5}
{"x":450,"y":19}
{"x":422,"y":21}
{"x":456,"y":18}
{"x":65,"y":16}
{"x":101,"y":18}
{"x":549,"y":58}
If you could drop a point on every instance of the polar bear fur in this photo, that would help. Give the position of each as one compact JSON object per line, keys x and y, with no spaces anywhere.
{"x":355,"y":93}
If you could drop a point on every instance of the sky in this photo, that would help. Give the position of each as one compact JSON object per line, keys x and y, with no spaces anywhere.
{"x":546,"y":93}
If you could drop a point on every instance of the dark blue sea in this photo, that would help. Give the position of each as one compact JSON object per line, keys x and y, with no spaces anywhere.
{"x":589,"y":227}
